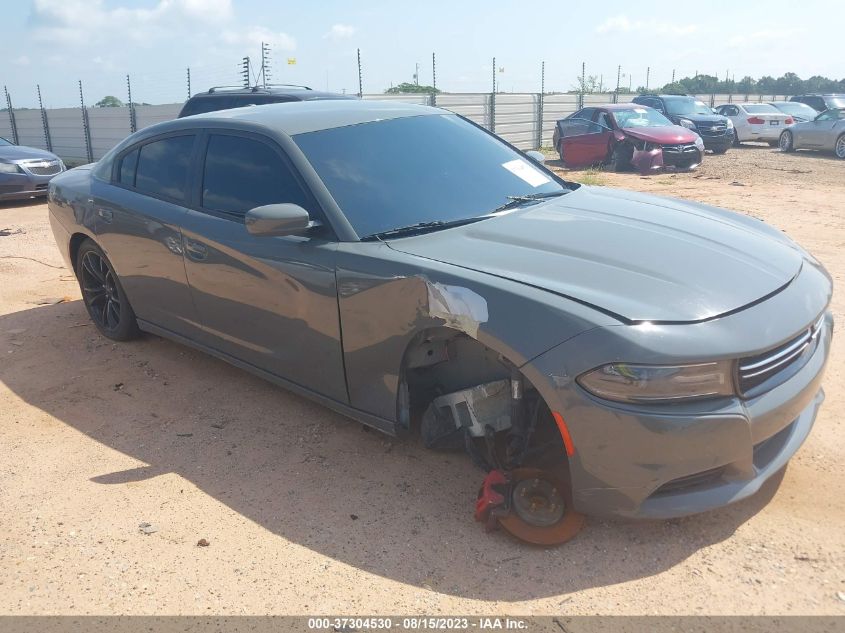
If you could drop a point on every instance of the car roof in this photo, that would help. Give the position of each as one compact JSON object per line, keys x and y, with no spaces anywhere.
{"x":298,"y":117}
{"x":295,"y":92}
{"x":613,"y":107}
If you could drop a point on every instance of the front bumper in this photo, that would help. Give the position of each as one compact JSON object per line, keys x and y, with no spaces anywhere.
{"x":662,"y":461}
{"x":23,"y":186}
{"x":718,"y":142}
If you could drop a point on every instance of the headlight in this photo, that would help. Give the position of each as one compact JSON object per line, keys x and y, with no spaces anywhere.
{"x":9,"y":168}
{"x":699,"y":143}
{"x":687,"y":123}
{"x":730,"y":124}
{"x":625,"y":382}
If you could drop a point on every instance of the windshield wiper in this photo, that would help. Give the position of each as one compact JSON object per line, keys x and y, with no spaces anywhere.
{"x":515,"y":201}
{"x":421,"y":227}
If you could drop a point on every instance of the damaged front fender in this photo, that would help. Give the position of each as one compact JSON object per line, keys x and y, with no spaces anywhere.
{"x":388,"y":299}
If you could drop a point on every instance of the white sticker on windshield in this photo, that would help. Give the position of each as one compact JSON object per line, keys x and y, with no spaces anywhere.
{"x":640,"y":110}
{"x":526,"y":172}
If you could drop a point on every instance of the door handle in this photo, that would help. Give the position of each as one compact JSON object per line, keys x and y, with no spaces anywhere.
{"x":105,"y":215}
{"x":196,"y":250}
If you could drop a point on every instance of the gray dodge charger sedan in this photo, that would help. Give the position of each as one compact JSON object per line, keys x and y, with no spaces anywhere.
{"x":595,"y":351}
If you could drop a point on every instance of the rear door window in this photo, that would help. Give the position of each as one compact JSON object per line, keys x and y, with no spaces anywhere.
{"x":128,"y":165}
{"x":163,"y":167}
{"x":243,"y":173}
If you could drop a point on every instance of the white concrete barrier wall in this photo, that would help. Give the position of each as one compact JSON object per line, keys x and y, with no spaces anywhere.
{"x":516,"y":118}
{"x":30,"y":128}
{"x":6,"y":127}
{"x":67,"y":135}
{"x":109,"y":126}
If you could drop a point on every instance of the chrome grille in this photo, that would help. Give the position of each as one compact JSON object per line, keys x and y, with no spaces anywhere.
{"x":43,"y":167}
{"x":679,"y":149}
{"x":712,"y":129}
{"x":756,"y":370}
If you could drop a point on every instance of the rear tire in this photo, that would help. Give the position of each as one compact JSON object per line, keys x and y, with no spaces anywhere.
{"x":786,"y":143}
{"x":103,"y":294}
{"x":839,"y":147}
{"x":721,"y":150}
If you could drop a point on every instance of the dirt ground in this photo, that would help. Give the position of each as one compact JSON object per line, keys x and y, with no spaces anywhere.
{"x":306,"y":512}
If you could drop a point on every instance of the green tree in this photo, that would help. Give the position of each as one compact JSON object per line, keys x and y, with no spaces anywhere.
{"x":109,"y":102}
{"x":406,"y":87}
{"x":589,"y":85}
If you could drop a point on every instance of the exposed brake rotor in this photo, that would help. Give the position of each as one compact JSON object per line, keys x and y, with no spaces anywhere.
{"x":529,"y":504}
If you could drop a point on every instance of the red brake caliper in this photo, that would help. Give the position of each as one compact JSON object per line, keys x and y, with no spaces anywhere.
{"x":490,"y":497}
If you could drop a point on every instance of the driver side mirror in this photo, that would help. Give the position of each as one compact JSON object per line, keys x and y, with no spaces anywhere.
{"x":536,"y":156}
{"x":277,"y":219}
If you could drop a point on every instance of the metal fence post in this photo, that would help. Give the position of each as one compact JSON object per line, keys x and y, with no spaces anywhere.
{"x":433,"y":80}
{"x":540,"y":105}
{"x":85,"y":127}
{"x":618,"y":79}
{"x":583,"y":85}
{"x":493,"y":101}
{"x":133,"y":124}
{"x":11,"y":111}
{"x":360,"y":78}
{"x":47,"y":140}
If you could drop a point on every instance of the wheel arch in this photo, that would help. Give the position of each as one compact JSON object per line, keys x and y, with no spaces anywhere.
{"x":74,"y":244}
{"x":459,"y":361}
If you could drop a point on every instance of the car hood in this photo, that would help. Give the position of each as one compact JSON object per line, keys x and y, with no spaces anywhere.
{"x":639,"y":257}
{"x":662,"y":135}
{"x":14,"y":153}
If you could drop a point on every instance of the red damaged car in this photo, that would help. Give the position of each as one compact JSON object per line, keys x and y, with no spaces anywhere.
{"x":626,"y":136}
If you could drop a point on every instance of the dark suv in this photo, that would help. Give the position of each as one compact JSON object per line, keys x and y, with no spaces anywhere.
{"x":715,"y":130}
{"x":821,"y":102}
{"x":226,"y":97}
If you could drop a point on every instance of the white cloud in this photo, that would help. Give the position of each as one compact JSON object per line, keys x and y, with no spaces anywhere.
{"x":623,"y":24}
{"x":738,"y":41}
{"x":83,"y":21}
{"x":340,"y":32}
{"x":253,"y":36}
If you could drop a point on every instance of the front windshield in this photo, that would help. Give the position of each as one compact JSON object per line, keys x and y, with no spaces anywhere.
{"x":686,"y":105}
{"x":640,"y":117}
{"x":796,"y":108}
{"x":429,"y":168}
{"x":4,"y":142}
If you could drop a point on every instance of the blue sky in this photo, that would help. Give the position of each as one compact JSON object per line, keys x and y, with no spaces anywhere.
{"x":56,"y":42}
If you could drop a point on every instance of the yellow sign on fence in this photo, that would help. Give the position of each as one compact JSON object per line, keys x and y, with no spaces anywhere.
{"x":291,"y":61}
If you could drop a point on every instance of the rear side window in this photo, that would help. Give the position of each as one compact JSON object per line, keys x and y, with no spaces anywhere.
{"x":163,"y":167}
{"x":128,"y":165}
{"x":242,"y":173}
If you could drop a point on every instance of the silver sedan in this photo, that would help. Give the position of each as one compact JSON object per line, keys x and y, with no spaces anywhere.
{"x":826,"y":132}
{"x":755,"y":121}
{"x":25,"y":171}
